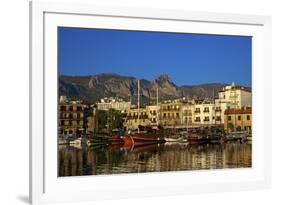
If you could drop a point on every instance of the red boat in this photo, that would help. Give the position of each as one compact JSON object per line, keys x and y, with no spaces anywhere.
{"x":196,"y":138}
{"x":139,"y":139}
{"x":115,"y":140}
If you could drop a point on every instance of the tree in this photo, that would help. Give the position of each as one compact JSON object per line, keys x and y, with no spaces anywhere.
{"x":109,"y":120}
{"x":102,"y":120}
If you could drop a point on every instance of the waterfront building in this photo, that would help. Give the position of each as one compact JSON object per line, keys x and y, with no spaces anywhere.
{"x":220,"y":106}
{"x":71,"y":117}
{"x":238,"y":119}
{"x":170,"y":113}
{"x":153,"y":112}
{"x":136,"y":117}
{"x":187,"y":109}
{"x":204,"y":113}
{"x":231,"y":96}
{"x":237,"y":96}
{"x":114,"y":103}
{"x":91,"y":119}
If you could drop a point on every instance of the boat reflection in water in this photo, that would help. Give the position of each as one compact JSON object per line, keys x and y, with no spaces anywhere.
{"x":116,"y":159}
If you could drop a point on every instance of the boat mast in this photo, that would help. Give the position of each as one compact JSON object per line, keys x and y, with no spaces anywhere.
{"x":214,"y":101}
{"x":157,"y":102}
{"x":235,"y":104}
{"x":138,"y":105}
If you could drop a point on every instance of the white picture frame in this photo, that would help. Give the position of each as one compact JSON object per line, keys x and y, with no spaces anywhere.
{"x":46,"y":187}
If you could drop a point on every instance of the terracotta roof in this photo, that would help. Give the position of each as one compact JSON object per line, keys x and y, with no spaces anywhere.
{"x":238,"y":111}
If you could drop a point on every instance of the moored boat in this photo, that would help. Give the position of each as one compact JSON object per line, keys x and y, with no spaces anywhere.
{"x":174,"y":139}
{"x":194,"y":137}
{"x":140,"y":139}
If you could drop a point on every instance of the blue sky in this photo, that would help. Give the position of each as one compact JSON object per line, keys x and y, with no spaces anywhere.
{"x":189,"y":59}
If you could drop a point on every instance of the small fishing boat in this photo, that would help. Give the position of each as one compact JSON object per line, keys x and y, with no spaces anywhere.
{"x":139,"y":139}
{"x":173,"y":139}
{"x":76,"y":141}
{"x":194,"y":137}
{"x":237,"y":136}
{"x":115,"y":140}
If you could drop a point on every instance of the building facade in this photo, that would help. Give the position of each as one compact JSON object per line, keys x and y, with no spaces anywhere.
{"x":232,"y":96}
{"x":153,"y":114}
{"x":71,"y":118}
{"x":136,"y":117}
{"x":113,"y":103}
{"x":204,"y":113}
{"x":187,"y":110}
{"x":170,"y":113}
{"x":238,"y":119}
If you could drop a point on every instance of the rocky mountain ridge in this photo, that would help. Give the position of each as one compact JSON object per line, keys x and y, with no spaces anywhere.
{"x":92,"y":88}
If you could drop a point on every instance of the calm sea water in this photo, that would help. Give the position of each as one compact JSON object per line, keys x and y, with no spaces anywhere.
{"x":97,"y":160}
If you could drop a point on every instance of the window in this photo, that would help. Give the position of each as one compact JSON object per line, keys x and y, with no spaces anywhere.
{"x":248,"y":117}
{"x":63,"y":108}
{"x":197,"y":110}
{"x":206,"y":119}
{"x":197,"y":119}
{"x":206,"y":109}
{"x":229,"y":118}
{"x":178,"y":115}
{"x":239,"y":117}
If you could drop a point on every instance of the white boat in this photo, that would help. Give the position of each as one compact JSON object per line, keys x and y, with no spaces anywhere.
{"x":173,"y":139}
{"x":76,"y":141}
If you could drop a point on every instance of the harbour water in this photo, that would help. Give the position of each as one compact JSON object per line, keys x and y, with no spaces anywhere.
{"x":115,"y":159}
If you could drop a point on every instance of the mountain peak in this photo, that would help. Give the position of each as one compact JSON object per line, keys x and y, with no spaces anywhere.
{"x":163,"y":78}
{"x":108,"y":74}
{"x":93,"y":88}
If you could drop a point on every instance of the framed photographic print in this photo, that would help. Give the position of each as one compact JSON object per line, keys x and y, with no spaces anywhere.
{"x":129,"y":102}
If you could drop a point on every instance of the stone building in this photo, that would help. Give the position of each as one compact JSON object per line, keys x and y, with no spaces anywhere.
{"x":238,"y":119}
{"x":204,"y":113}
{"x":136,"y":117}
{"x":153,"y":113}
{"x":114,"y":103}
{"x":231,"y":96}
{"x":170,"y":113}
{"x":187,"y":113}
{"x":71,"y":118}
